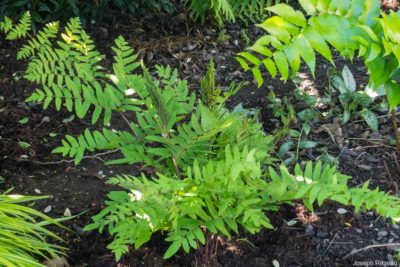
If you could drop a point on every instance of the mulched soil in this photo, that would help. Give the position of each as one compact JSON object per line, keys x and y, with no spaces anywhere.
{"x":324,"y":238}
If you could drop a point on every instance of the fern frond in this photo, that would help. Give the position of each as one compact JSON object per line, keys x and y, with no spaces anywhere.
{"x":76,"y":147}
{"x":159,"y":102}
{"x":319,"y":183}
{"x":222,"y":9}
{"x":19,"y":30}
{"x":70,"y":75}
{"x":219,"y":195}
{"x":124,"y":60}
{"x":41,"y":40}
{"x":6,"y":25}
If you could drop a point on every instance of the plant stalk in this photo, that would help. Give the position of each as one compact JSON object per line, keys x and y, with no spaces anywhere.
{"x":396,"y":129}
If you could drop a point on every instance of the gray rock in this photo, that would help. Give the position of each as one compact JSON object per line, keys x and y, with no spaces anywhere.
{"x":382,"y":233}
{"x":309,"y":229}
{"x":394,"y":235}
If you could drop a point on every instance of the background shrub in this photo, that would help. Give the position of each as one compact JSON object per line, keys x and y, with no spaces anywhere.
{"x":50,"y":10}
{"x":221,"y":11}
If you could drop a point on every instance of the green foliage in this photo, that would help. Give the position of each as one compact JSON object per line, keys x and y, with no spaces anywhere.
{"x":319,"y":183}
{"x":294,"y":36}
{"x":221,"y":196}
{"x":22,"y":233}
{"x":353,"y":102}
{"x":210,"y":162}
{"x":227,"y":10}
{"x":210,"y":94}
{"x":17,"y":31}
{"x":46,"y":11}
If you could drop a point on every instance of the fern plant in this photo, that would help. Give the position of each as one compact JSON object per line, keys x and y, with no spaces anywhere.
{"x":211,"y":163}
{"x":24,"y":239}
{"x":228,"y":10}
{"x":223,"y":196}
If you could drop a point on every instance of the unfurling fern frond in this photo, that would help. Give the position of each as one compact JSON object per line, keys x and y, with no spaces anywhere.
{"x":209,"y":93}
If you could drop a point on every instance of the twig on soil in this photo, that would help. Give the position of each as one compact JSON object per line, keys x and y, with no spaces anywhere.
{"x":365,"y":139}
{"x":374,"y":146}
{"x":369,"y":247}
{"x":330,"y":244}
{"x":396,"y":161}
{"x":331,"y":135}
{"x":96,"y":156}
{"x":396,"y":188}
{"x":377,"y":142}
{"x":378,"y":117}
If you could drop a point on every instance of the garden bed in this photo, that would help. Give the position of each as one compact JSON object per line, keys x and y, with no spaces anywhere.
{"x":325,"y":238}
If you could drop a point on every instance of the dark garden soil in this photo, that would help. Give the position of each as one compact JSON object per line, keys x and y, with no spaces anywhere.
{"x":324,"y":238}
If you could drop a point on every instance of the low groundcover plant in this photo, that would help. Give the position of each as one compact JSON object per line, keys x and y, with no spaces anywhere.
{"x":23,"y":237}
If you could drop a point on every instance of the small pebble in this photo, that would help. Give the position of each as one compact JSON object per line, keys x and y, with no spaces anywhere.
{"x":45,"y":119}
{"x":394,"y":235}
{"x":47,"y":209}
{"x":341,"y":211}
{"x":396,"y":226}
{"x":67,"y":212}
{"x":37,"y":191}
{"x":365,"y":167}
{"x":276,"y":263}
{"x":382,"y":233}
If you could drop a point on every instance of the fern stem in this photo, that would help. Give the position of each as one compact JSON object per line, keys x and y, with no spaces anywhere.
{"x":396,"y":129}
{"x":129,"y":124}
{"x":174,"y":160}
